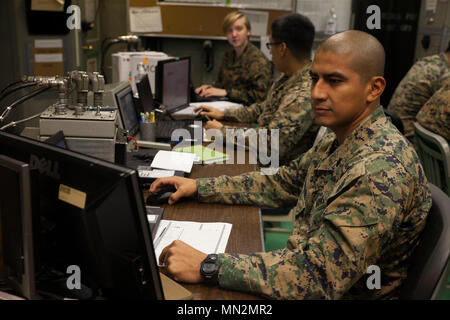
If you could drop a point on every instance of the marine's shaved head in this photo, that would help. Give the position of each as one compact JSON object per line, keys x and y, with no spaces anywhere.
{"x":365,"y":52}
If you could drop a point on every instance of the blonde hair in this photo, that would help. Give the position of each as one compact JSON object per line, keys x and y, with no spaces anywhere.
{"x":231,"y":18}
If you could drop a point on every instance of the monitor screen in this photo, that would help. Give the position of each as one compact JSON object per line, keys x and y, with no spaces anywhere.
{"x":88,"y":213}
{"x":127,"y":109}
{"x":145,"y":94}
{"x":16,"y":227}
{"x":172,"y":83}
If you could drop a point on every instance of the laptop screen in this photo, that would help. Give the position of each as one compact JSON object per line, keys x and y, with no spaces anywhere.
{"x":145,"y":94}
{"x":58,"y":139}
{"x":173,"y":83}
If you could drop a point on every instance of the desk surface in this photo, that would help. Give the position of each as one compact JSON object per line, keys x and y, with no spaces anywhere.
{"x":246,"y":233}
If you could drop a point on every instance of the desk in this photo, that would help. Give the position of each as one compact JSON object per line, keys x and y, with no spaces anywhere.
{"x":246,"y":233}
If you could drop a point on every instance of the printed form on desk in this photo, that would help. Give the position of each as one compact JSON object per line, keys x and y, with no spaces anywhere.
{"x":207,"y":237}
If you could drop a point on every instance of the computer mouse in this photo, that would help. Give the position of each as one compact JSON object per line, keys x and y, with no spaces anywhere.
{"x":160,"y":197}
{"x":200,"y":117}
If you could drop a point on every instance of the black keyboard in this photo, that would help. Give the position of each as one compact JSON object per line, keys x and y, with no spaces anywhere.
{"x":209,"y":99}
{"x":164,"y":129}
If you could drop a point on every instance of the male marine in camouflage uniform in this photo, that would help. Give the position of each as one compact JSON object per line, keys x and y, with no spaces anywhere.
{"x":424,"y":78}
{"x":435,"y":114}
{"x":247,"y":78}
{"x":360,"y":194}
{"x":288,"y":104}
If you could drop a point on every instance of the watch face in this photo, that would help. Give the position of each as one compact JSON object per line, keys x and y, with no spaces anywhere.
{"x":209,"y":267}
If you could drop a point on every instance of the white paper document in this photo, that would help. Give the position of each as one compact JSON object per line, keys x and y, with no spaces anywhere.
{"x":219,"y":105}
{"x":258,"y":21}
{"x":171,"y":160}
{"x":145,"y":19}
{"x":207,"y":237}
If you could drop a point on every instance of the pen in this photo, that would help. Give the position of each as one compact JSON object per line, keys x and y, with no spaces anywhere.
{"x":160,"y":236}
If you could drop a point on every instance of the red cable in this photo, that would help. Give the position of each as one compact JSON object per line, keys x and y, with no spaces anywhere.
{"x":135,"y":141}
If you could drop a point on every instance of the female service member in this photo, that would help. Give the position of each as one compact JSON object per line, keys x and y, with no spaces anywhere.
{"x":245,"y":73}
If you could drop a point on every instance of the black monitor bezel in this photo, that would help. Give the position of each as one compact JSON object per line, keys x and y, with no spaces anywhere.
{"x":26,"y":285}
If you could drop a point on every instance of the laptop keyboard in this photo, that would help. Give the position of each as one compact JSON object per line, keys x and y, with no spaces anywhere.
{"x":164,"y":129}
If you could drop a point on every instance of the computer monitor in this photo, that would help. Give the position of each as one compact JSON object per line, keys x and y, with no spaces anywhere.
{"x":16,"y":226}
{"x":88,"y":213}
{"x":127,"y":109}
{"x":172,"y":83}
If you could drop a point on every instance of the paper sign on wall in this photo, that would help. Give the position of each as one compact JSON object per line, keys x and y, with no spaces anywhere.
{"x":258,"y":21}
{"x":47,"y":5}
{"x":48,"y":57}
{"x":145,"y":19}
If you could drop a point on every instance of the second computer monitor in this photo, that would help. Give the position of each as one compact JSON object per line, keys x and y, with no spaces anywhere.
{"x":172,"y":83}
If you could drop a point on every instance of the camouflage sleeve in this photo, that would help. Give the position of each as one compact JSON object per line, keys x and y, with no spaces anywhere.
{"x":289,"y":124}
{"x":278,"y":190}
{"x":259,"y":76}
{"x":245,"y":114}
{"x":358,"y":222}
{"x":219,"y":82}
{"x":435,"y":114}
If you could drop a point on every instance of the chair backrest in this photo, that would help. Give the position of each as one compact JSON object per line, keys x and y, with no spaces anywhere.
{"x":434,"y":153}
{"x":430,"y":258}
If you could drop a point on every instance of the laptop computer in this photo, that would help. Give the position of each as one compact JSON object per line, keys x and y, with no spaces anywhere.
{"x":164,"y":128}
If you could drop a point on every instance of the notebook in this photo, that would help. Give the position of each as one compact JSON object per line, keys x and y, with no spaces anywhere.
{"x":204,"y":154}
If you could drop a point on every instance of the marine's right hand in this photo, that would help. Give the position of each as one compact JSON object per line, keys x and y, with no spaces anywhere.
{"x":210,"y":112}
{"x":202,"y":88}
{"x":185,"y":187}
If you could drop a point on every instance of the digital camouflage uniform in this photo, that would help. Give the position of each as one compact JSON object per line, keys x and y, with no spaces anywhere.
{"x":362,"y":203}
{"x":424,"y":78}
{"x":435,"y":114}
{"x":247,"y":78}
{"x":286,"y":108}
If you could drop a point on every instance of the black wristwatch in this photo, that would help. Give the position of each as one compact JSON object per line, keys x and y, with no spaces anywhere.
{"x":209,"y":269}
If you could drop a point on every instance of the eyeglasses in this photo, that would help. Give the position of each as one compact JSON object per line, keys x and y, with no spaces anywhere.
{"x":270,"y":44}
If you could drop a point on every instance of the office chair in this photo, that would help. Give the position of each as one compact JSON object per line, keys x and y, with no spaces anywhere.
{"x":395,"y":119}
{"x":430,"y":260}
{"x":277,"y":215}
{"x":434,"y":153}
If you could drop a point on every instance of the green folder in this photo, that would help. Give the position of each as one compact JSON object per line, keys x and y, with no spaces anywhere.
{"x":204,"y":155}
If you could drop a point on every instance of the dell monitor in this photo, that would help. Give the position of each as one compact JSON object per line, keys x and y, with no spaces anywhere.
{"x":90,"y":214}
{"x":172,"y":83}
{"x":16,"y":227}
